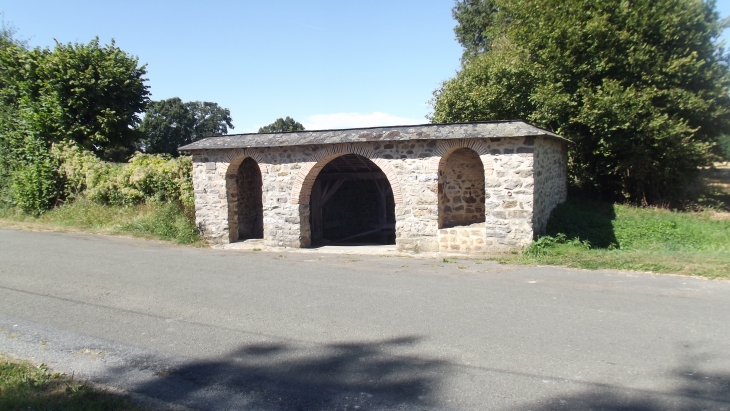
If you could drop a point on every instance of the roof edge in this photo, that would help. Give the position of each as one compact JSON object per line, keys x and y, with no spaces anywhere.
{"x":195,"y":145}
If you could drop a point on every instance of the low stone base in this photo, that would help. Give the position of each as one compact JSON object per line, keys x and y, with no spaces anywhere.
{"x":463,"y":239}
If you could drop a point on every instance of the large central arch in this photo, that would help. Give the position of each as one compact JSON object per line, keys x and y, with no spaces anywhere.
{"x":351,"y":201}
{"x":302,"y":187}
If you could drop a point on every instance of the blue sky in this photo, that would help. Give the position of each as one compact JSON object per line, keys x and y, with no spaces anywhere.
{"x":328,"y":64}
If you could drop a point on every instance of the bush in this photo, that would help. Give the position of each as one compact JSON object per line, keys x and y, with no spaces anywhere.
{"x":163,"y":221}
{"x":35,"y":186}
{"x":146,"y":177}
{"x":545,"y":245}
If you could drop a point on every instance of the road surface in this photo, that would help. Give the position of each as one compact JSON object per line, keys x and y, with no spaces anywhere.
{"x":228,"y":330}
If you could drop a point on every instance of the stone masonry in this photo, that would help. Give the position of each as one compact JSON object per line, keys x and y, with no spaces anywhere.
{"x":502,"y":202}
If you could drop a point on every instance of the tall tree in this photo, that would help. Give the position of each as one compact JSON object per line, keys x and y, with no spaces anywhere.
{"x":282,"y":125}
{"x":210,"y":119}
{"x":169,"y":124}
{"x":476,"y":25}
{"x":641,"y":87}
{"x":166,"y":125}
{"x":87,"y":93}
{"x":98,"y":92}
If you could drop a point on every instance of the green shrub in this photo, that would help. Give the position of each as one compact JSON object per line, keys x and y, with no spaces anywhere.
{"x":35,"y":186}
{"x":546,"y":245}
{"x":164,"y":221}
{"x":146,"y":177}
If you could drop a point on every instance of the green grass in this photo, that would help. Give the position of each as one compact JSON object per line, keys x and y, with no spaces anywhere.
{"x":594,"y":235}
{"x":163,"y":221}
{"x":24,"y":386}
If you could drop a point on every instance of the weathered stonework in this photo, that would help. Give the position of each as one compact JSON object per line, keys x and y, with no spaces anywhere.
{"x":524,"y":177}
{"x":551,"y":180}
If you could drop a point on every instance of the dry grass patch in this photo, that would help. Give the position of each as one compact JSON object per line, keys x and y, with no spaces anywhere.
{"x":25,"y":386}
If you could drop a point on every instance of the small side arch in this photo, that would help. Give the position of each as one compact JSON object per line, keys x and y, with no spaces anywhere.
{"x":303,"y":183}
{"x":461,"y":188}
{"x":236,"y":157}
{"x":447,"y":147}
{"x":244,"y":194}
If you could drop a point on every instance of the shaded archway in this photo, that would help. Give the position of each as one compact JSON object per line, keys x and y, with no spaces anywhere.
{"x":245,"y":203}
{"x":351,"y":202}
{"x":461,"y":189}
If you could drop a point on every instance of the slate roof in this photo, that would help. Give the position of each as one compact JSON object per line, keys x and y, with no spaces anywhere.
{"x":510,"y":128}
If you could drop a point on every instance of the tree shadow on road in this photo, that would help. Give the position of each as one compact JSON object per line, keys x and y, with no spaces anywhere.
{"x":278,"y":376}
{"x":383,"y":375}
{"x":696,"y":391}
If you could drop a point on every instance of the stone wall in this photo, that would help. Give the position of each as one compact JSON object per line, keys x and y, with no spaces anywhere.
{"x":461,"y":189}
{"x":464,"y":239}
{"x":510,"y":194}
{"x":551,"y":180}
{"x":246,"y":201}
{"x":412,"y":169}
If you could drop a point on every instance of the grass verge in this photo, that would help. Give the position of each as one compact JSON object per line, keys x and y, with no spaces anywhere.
{"x":587,"y":234}
{"x":163,"y":221}
{"x":24,"y":386}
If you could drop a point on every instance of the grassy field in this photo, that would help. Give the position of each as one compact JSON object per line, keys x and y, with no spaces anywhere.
{"x":588,"y":234}
{"x":593,"y":235}
{"x":151,"y":220}
{"x":24,"y":386}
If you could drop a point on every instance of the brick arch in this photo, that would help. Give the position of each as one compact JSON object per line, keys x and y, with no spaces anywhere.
{"x":234,"y":158}
{"x":233,"y":161}
{"x":310,"y":170}
{"x":447,"y":147}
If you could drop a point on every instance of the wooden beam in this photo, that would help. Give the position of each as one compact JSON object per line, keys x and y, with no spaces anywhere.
{"x":369,"y":175}
{"x":379,"y":229}
{"x":330,"y":190}
{"x":364,"y":163}
{"x":316,"y":211}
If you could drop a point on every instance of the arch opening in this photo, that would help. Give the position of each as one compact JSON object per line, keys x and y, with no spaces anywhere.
{"x":352,"y":203}
{"x":245,"y":202}
{"x":461,"y":189}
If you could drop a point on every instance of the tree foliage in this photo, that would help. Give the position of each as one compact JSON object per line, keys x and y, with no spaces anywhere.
{"x":282,"y":125}
{"x":8,"y":33}
{"x":723,"y":148}
{"x":87,"y":94}
{"x":169,"y":124}
{"x":100,"y":91}
{"x":476,"y":20}
{"x":210,"y":119}
{"x":640,"y":87}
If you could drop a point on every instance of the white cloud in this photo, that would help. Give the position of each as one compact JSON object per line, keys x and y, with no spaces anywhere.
{"x":356,"y":120}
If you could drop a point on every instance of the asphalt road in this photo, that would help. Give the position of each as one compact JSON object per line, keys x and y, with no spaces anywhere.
{"x":214,"y":329}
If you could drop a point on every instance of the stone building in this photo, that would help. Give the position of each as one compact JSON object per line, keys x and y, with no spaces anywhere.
{"x":471,"y":187}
